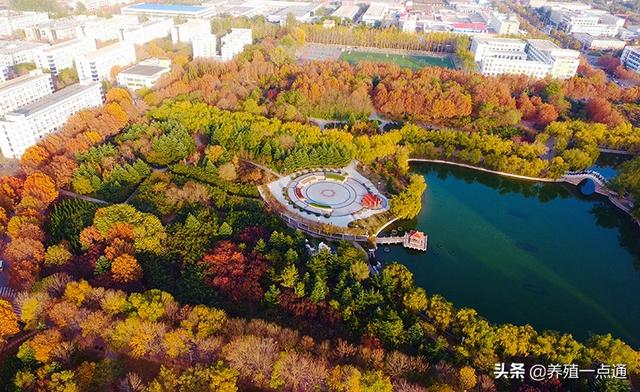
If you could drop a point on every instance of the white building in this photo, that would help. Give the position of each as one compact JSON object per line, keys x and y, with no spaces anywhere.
{"x":375,"y":13}
{"x":147,"y":32}
{"x":23,"y":127}
{"x":504,"y":24}
{"x":94,"y":5}
{"x":192,"y":28}
{"x":23,"y":90}
{"x":19,"y":52}
{"x":346,"y":12}
{"x":53,"y":30}
{"x":233,"y":43}
{"x":302,"y":11}
{"x":144,"y":74}
{"x":97,"y":65}
{"x":591,"y":42}
{"x":535,"y":58}
{"x":12,"y":21}
{"x":204,"y":46}
{"x":106,"y":29}
{"x":594,"y":22}
{"x":631,"y":58}
{"x":57,"y":57}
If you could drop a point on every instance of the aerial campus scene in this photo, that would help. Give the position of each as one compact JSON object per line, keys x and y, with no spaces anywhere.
{"x":279,"y":195}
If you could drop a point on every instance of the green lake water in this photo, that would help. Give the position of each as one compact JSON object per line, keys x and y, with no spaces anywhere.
{"x":524,"y":252}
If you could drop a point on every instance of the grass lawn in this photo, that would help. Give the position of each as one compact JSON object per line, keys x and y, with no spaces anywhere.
{"x":335,"y":177}
{"x":405,"y":61}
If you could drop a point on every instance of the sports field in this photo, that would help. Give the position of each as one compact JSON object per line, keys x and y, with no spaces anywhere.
{"x":405,"y":61}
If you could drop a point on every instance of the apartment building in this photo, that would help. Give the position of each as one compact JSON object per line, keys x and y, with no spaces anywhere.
{"x":504,"y":24}
{"x":23,"y":127}
{"x":18,"y":52}
{"x":631,"y":58}
{"x":97,"y":65}
{"x":57,"y":57}
{"x":142,"y":33}
{"x":204,"y":46}
{"x":12,"y":22}
{"x":23,"y":90}
{"x":535,"y":58}
{"x":192,"y":28}
{"x":233,"y":43}
{"x":145,"y":74}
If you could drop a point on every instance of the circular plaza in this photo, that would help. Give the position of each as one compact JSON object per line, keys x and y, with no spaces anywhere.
{"x":332,"y":193}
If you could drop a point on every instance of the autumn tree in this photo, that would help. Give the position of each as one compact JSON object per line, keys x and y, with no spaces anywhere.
{"x":8,"y":321}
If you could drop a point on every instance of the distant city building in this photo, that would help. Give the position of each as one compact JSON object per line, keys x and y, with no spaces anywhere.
{"x":23,"y":127}
{"x":23,"y":90}
{"x":12,"y":22}
{"x":631,"y":58}
{"x":107,"y":29}
{"x":19,"y":52}
{"x":302,"y":12}
{"x":57,"y":57}
{"x":192,"y":28}
{"x":591,"y":42}
{"x":53,"y":30}
{"x":375,"y":13}
{"x":535,"y":58}
{"x":594,"y":22}
{"x":97,"y":65}
{"x":94,"y":5}
{"x":147,"y":31}
{"x":144,"y":74}
{"x":169,"y":10}
{"x":346,"y":12}
{"x":504,"y":24}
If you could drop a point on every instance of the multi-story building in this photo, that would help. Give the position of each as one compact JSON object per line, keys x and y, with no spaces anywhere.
{"x":144,"y":74}
{"x":233,"y":43}
{"x":57,"y":57}
{"x":4,"y":73}
{"x":93,"y":5}
{"x":19,"y":52}
{"x":106,"y":29}
{"x":23,"y":127}
{"x":564,"y":62}
{"x":204,"y":46}
{"x":192,"y":28}
{"x":97,"y":65}
{"x":535,"y":58}
{"x":504,"y":24}
{"x":23,"y":90}
{"x":147,"y":32}
{"x":12,"y":21}
{"x":591,"y":42}
{"x":53,"y":30}
{"x":154,"y":10}
{"x":631,"y":58}
{"x":594,"y":22}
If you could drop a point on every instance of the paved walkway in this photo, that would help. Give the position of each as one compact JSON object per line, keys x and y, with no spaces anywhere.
{"x":82,"y":197}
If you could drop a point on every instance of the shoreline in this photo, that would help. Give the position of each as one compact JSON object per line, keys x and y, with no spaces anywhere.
{"x":613,"y":200}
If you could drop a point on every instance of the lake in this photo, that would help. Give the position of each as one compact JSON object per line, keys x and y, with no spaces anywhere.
{"x":525,"y":252}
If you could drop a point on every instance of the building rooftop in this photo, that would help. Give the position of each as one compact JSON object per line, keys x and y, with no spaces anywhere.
{"x":105,"y":51}
{"x":10,"y":47}
{"x":375,"y":10}
{"x":346,"y":11}
{"x":8,"y":85}
{"x":144,"y":70}
{"x":50,"y":100}
{"x":179,"y":8}
{"x":63,"y":44}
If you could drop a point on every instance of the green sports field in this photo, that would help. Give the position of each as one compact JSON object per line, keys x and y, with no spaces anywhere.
{"x":405,"y":61}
